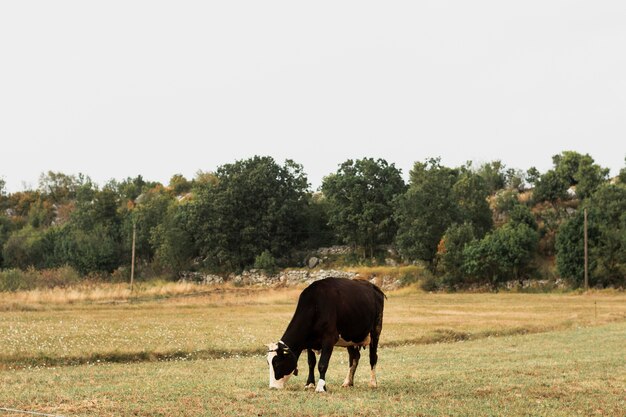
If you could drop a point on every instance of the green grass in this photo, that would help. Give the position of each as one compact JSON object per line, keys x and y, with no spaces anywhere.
{"x":512,"y":354}
{"x":565,"y":373}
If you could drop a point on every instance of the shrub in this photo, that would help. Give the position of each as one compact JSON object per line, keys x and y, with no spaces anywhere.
{"x":266,"y":262}
{"x":13,"y":280}
{"x":17,"y":280}
{"x":430,"y":283}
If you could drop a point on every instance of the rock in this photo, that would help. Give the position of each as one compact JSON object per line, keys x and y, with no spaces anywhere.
{"x":390,"y":262}
{"x":313,"y":262}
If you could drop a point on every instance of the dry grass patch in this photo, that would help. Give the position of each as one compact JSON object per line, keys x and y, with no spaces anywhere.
{"x":192,"y":322}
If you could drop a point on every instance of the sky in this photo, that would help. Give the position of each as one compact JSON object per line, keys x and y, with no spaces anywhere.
{"x":117,"y":89}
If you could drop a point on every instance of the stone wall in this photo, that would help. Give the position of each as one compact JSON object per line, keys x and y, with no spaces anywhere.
{"x":286,"y":278}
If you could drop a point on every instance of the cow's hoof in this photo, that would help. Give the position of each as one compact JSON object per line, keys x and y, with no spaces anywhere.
{"x":310,"y":386}
{"x":321,"y":386}
{"x":347,"y":384}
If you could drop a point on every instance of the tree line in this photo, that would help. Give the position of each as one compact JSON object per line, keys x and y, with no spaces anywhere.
{"x":468,"y":224}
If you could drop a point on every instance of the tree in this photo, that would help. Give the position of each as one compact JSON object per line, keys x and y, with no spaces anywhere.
{"x":148,"y":213}
{"x":318,"y":230}
{"x":172,"y":242}
{"x":59,"y":187}
{"x":360,"y":201}
{"x":550,"y":187}
{"x":93,"y":250}
{"x":533,"y":175}
{"x":179,"y":184}
{"x":502,"y":255}
{"x":515,"y":179}
{"x":426,"y":210}
{"x":255,"y":205}
{"x":3,"y":191}
{"x":520,"y":214}
{"x":607,"y":240}
{"x":493,"y":174}
{"x":579,"y":170}
{"x":622,"y":174}
{"x":131,"y":188}
{"x":450,"y":252}
{"x":24,"y":248}
{"x":470,"y":192}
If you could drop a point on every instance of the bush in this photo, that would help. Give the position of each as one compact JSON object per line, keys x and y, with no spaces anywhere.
{"x":13,"y":280}
{"x":430,"y":283}
{"x":266,"y":262}
{"x":24,"y":248}
{"x":17,"y":280}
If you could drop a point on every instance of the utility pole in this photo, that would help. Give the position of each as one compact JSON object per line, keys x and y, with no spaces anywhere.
{"x":586,"y":255}
{"x":132,"y":262}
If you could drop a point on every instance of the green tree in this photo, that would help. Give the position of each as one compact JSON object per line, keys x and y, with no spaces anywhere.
{"x":179,"y":184}
{"x":5,"y":230}
{"x":450,"y":252}
{"x":24,"y":248}
{"x":59,"y":187}
{"x":622,"y":174}
{"x":93,"y":250}
{"x":172,"y":241}
{"x":470,"y":192}
{"x":318,"y":229}
{"x":580,"y":170}
{"x":550,"y":187}
{"x":426,"y":210}
{"x":3,"y":191}
{"x":255,"y":205}
{"x":148,"y":213}
{"x":520,"y":214}
{"x":515,"y":179}
{"x":493,"y":175}
{"x":607,"y":240}
{"x":532,"y":175}
{"x":502,"y":255}
{"x":360,"y":200}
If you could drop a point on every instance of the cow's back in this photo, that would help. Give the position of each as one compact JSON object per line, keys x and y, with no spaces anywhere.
{"x":354,"y":307}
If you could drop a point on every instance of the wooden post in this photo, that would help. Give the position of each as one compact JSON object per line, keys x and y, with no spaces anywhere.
{"x":132,"y":262}
{"x":586,"y":255}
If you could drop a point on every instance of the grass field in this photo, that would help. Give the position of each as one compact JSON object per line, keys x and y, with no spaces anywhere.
{"x":197,"y":352}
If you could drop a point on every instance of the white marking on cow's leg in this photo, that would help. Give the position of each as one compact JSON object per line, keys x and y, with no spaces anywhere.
{"x":373,"y":383}
{"x":349,"y":381}
{"x":321,"y":384}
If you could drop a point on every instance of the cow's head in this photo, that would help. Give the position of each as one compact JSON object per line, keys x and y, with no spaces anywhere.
{"x":283,"y":363}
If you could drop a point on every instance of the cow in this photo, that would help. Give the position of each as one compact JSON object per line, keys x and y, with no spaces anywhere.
{"x":330,"y":312}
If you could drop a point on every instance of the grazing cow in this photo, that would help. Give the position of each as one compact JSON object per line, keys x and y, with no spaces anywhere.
{"x":330,"y":312}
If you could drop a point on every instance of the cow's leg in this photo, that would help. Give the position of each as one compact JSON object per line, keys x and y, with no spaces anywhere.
{"x":322,"y":366}
{"x":310,"y":381}
{"x":355,"y":355}
{"x":373,"y":358}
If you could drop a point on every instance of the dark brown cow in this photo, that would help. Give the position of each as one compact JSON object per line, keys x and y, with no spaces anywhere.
{"x":330,"y":312}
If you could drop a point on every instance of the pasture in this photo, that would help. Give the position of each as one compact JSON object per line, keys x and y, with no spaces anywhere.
{"x":192,"y":351}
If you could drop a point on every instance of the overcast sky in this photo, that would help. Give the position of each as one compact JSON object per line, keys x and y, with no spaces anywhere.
{"x":119,"y":88}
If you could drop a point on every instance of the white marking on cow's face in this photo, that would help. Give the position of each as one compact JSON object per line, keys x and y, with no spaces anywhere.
{"x":275,"y":383}
{"x":320,"y":386}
